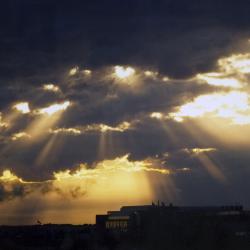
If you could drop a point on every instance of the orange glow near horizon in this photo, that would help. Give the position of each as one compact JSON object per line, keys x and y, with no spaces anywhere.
{"x":108,"y":184}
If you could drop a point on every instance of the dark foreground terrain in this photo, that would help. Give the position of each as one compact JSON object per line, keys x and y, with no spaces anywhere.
{"x":71,"y":237}
{"x":142,"y":228}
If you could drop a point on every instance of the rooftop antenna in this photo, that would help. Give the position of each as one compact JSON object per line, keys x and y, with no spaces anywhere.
{"x":39,"y":222}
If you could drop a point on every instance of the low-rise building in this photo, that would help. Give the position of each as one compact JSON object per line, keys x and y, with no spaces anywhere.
{"x":138,"y":218}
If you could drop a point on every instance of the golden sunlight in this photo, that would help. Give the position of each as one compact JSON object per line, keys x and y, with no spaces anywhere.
{"x":3,"y":124}
{"x":207,"y":161}
{"x":233,"y":106}
{"x":238,"y":62}
{"x":165,"y":79}
{"x":149,"y":73}
{"x":22,"y":107}
{"x":73,"y":71}
{"x":87,"y":72}
{"x":20,"y":135}
{"x":156,"y":115}
{"x":110,"y":166}
{"x":211,"y":167}
{"x":116,"y":180}
{"x":43,"y":123}
{"x":202,"y":150}
{"x":105,"y":185}
{"x":103,"y":128}
{"x":218,"y":79}
{"x":8,"y":176}
{"x":124,"y":72}
{"x":233,"y":72}
{"x":55,"y":108}
{"x":120,"y":128}
{"x":51,"y":87}
{"x":73,"y":131}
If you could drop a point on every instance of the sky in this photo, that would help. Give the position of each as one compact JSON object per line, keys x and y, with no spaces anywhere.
{"x":122,"y":102}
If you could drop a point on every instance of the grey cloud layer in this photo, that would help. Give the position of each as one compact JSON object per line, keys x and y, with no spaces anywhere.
{"x":41,"y":38}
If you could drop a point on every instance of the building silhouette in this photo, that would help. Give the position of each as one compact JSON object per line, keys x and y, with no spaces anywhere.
{"x":139,"y":218}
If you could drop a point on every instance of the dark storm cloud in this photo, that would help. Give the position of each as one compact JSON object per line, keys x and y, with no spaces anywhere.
{"x":15,"y":188}
{"x":40,"y":38}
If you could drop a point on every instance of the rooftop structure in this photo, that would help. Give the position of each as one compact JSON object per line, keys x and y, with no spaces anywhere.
{"x":135,"y":217}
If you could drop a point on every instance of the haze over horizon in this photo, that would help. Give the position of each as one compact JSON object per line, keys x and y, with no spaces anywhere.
{"x":112,"y":103}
